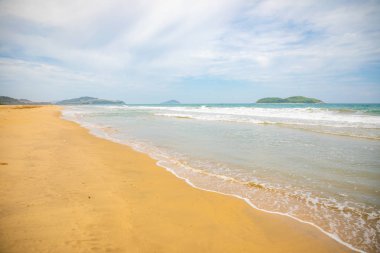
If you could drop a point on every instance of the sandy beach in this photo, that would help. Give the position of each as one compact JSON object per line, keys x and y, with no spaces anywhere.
{"x":65,"y":190}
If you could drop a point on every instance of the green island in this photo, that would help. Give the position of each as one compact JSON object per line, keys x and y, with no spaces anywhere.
{"x":90,"y":101}
{"x":171,"y":102}
{"x":294,"y":99}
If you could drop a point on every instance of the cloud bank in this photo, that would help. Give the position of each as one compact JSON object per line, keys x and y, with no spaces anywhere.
{"x":125,"y":49}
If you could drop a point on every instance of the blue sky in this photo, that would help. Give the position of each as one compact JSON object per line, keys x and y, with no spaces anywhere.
{"x":193,"y":51}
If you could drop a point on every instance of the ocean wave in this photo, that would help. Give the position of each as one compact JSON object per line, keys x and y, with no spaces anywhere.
{"x":325,"y":128}
{"x":332,"y":117}
{"x":309,"y":115}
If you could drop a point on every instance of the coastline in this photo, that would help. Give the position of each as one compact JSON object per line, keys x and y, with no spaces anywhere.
{"x":64,"y":189}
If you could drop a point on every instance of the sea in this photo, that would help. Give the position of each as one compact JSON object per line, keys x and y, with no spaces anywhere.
{"x":315,"y":163}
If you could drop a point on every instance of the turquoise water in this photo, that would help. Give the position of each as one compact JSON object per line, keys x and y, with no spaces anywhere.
{"x":318,"y":163}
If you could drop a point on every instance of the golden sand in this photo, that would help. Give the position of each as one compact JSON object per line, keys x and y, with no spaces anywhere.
{"x":64,"y":190}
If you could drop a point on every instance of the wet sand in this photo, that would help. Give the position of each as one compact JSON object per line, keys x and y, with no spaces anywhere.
{"x":64,"y":190}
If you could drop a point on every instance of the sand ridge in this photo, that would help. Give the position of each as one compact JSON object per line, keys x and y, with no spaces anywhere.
{"x":64,"y":190}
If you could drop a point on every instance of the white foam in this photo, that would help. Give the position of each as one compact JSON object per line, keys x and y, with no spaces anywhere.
{"x":307,"y":116}
{"x":333,"y":236}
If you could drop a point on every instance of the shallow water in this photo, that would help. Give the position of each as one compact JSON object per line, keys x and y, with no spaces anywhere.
{"x":318,"y":163}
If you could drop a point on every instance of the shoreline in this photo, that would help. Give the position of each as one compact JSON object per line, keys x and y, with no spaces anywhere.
{"x":161,"y":163}
{"x":265,"y":211}
{"x":189,"y":182}
{"x":139,"y":206}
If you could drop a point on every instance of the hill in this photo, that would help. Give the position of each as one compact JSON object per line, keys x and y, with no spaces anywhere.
{"x":294,"y":99}
{"x":4,"y":100}
{"x":170,"y":102}
{"x":9,"y":101}
{"x":90,"y":101}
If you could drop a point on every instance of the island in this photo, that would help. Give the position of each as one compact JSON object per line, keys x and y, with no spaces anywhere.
{"x":90,"y":101}
{"x":294,"y":99}
{"x":170,"y":102}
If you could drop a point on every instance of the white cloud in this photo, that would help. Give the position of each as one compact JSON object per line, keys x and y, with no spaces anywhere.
{"x":149,"y":42}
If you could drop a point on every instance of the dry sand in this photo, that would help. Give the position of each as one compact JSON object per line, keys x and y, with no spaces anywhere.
{"x":64,"y":190}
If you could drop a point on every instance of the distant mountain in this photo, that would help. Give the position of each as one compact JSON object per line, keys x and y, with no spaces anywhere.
{"x":170,"y":102}
{"x":13,"y":101}
{"x":295,"y":99}
{"x":90,"y":101}
{"x":9,"y":101}
{"x":26,"y":101}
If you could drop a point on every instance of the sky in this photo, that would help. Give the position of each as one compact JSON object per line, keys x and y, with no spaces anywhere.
{"x":199,"y":51}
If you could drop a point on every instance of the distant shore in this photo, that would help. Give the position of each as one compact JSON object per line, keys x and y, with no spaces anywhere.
{"x":64,"y":190}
